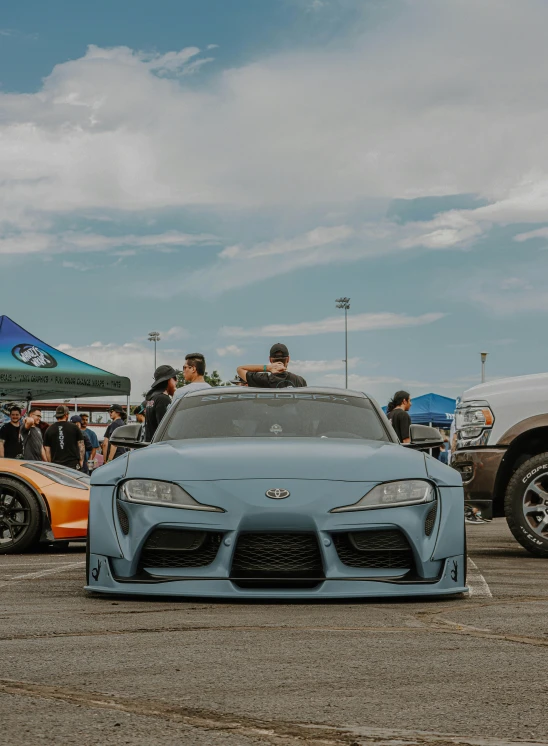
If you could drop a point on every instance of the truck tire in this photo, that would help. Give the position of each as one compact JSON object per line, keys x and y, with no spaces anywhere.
{"x":526,"y":505}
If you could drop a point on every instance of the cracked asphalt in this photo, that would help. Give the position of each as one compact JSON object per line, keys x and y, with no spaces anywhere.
{"x":86,"y":670}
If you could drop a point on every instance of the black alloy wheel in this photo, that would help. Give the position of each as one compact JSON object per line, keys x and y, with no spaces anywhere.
{"x":19,"y":517}
{"x":526,"y":505}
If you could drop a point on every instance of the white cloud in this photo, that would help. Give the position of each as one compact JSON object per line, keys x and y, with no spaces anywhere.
{"x":313,"y":239}
{"x":539,"y":233}
{"x":238,"y":266}
{"x":133,"y":359}
{"x":72,"y":241}
{"x":173,"y":334}
{"x":371,"y":118}
{"x":229,"y":350}
{"x":315,"y":367}
{"x":356,"y":322}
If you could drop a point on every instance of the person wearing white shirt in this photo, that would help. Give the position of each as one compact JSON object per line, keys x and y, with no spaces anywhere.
{"x":193,"y":372}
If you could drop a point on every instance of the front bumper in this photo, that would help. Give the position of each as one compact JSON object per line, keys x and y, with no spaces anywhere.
{"x":118,"y":550}
{"x":479,"y":468}
{"x":450,"y":581}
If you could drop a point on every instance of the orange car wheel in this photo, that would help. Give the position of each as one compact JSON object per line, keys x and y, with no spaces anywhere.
{"x":19,"y":517}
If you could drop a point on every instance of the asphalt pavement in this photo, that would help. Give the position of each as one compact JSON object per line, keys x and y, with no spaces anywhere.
{"x":78,"y":669}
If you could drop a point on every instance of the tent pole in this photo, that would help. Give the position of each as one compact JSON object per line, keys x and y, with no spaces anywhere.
{"x":75,"y":405}
{"x":128,"y":408}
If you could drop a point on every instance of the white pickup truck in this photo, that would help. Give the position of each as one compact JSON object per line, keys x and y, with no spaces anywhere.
{"x":502,"y":455}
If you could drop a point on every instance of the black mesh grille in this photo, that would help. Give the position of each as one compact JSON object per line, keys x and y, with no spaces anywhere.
{"x":430,"y":519}
{"x":374,"y":549}
{"x":174,"y":548}
{"x":122,"y":517}
{"x":277,"y":556}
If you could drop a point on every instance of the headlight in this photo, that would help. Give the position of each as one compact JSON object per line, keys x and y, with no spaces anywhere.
{"x":393,"y":494}
{"x":473,"y":419}
{"x":167,"y":494}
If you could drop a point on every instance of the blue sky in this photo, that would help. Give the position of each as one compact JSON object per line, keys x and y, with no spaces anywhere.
{"x":223,"y":171}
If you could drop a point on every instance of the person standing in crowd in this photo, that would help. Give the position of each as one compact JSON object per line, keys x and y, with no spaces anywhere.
{"x":274,"y":375}
{"x":159,"y":398}
{"x":193,"y":371}
{"x":398,"y":414}
{"x":31,"y":436}
{"x":10,"y":436}
{"x":64,"y":442}
{"x":94,"y":440}
{"x":139,"y":413}
{"x":117,"y":416}
{"x":77,"y":420}
{"x":445,"y":452}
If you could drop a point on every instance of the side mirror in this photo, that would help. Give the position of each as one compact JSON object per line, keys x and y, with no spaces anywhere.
{"x":422,"y":437}
{"x":127,"y":436}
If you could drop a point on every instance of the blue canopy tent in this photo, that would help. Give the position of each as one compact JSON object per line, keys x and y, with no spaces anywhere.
{"x":433,"y":409}
{"x":32,"y":369}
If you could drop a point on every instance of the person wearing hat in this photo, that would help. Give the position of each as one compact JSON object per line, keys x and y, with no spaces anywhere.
{"x":64,"y":442}
{"x":117,"y":415}
{"x":158,"y":398}
{"x":273,"y":375}
{"x":88,"y":448}
{"x":139,"y":413}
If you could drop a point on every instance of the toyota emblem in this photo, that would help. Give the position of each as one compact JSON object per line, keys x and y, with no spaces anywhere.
{"x":277,"y":494}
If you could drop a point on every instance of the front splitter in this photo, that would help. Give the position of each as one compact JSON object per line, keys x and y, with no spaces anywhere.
{"x":450,"y":582}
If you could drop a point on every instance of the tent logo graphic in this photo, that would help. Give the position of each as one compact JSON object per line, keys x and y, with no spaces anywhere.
{"x":34,"y":356}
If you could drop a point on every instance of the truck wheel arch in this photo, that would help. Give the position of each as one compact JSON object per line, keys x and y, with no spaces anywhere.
{"x":523,"y":440}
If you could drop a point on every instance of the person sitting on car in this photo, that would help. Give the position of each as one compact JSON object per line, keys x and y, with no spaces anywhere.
{"x":273,"y":375}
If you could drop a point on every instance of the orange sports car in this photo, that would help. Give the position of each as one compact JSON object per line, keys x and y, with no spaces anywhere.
{"x":41,"y":503}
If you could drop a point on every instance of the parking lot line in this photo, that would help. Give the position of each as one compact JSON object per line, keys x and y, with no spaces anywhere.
{"x":476,"y":582}
{"x":40,"y":573}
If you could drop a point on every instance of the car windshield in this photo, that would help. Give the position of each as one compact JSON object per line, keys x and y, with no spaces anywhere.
{"x":274,"y":415}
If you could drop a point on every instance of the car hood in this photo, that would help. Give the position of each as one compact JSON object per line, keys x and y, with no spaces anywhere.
{"x":299,"y":458}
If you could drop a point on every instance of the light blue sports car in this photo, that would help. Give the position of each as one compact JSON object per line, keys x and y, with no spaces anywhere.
{"x":288,"y":493}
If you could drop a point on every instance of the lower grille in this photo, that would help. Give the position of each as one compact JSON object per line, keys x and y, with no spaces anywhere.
{"x":431,"y":519}
{"x":122,"y":517}
{"x":175,"y":548}
{"x":384,"y":550}
{"x":277,"y":559}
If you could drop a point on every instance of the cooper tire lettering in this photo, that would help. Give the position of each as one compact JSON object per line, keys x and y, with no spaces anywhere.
{"x":525,"y":505}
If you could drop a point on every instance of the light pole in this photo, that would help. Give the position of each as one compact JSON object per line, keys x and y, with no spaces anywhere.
{"x":154,"y":337}
{"x":345,"y":303}
{"x":483,"y":356}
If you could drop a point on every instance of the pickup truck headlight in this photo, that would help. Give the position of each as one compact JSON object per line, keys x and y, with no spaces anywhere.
{"x":166,"y":494}
{"x":473,"y":420}
{"x":393,"y":495}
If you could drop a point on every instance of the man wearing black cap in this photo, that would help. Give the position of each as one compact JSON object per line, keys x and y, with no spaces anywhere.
{"x":117,"y":415}
{"x":274,"y":375}
{"x":158,"y":398}
{"x":64,"y":442}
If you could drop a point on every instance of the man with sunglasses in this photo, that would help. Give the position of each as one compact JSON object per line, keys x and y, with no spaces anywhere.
{"x":193,"y":371}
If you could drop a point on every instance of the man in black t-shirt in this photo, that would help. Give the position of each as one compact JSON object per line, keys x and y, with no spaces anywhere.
{"x":274,"y":375}
{"x":159,"y":398}
{"x":398,"y":414}
{"x":11,"y":445}
{"x":64,"y":442}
